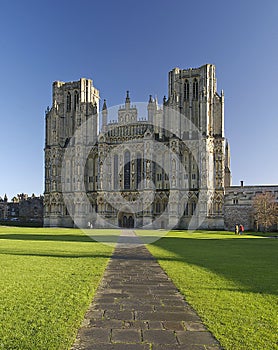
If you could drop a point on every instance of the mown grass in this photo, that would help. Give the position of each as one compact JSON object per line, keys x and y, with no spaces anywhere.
{"x":230,"y":280}
{"x":48,"y":278}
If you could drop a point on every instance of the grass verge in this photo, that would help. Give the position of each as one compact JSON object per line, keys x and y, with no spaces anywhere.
{"x":48,"y":278}
{"x":230,"y":280}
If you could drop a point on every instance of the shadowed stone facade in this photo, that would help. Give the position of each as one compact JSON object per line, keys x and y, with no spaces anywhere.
{"x":22,"y":209}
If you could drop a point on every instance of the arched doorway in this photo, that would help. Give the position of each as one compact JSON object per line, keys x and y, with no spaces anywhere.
{"x":130,"y":221}
{"x":126,"y":220}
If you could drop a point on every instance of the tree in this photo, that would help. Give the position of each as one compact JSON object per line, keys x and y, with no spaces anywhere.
{"x":265,"y":210}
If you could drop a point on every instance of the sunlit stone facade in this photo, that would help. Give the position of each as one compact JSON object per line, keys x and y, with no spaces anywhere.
{"x":163,"y":168}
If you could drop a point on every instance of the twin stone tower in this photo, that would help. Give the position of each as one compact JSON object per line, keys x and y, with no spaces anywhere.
{"x":143,"y":165}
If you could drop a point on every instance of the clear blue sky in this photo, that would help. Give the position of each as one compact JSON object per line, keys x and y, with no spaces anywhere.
{"x":132,"y":45}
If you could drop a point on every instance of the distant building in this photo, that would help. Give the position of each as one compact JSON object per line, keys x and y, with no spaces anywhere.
{"x":22,"y":209}
{"x":238,"y":206}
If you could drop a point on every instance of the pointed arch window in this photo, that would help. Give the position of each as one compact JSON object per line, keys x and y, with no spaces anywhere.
{"x":116,"y":179}
{"x":186,"y":90}
{"x":193,"y":207}
{"x":68,"y":102}
{"x":195,"y":89}
{"x":138,"y":170}
{"x":165,"y":206}
{"x":127,"y":170}
{"x":76,"y":100}
{"x":158,"y":207}
{"x":154,"y":169}
{"x":186,"y":211}
{"x":95,"y":173}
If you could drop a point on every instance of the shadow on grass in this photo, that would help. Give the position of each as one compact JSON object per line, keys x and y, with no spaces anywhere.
{"x":251,"y":263}
{"x":53,"y":255}
{"x":61,"y":238}
{"x":78,"y":255}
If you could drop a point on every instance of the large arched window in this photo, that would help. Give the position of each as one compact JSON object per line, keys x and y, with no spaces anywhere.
{"x":195,"y":89}
{"x":127,"y":170}
{"x":186,"y":90}
{"x":68,"y":102}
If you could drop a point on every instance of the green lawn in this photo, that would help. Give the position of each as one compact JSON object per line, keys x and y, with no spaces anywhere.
{"x":230,"y":280}
{"x":48,"y":278}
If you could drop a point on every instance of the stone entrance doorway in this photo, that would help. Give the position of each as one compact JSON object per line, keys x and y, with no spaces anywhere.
{"x":126,"y":220}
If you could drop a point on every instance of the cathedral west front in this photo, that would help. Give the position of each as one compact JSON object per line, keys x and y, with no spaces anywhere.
{"x":141,"y":165}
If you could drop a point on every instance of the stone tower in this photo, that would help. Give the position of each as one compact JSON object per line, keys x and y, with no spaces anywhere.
{"x":176,"y":159}
{"x":73,"y":104}
{"x":200,"y":109}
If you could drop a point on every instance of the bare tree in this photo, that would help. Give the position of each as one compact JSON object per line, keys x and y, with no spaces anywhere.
{"x":265,"y":210}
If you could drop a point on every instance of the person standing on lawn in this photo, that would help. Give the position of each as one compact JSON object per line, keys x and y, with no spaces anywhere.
{"x":241,"y":229}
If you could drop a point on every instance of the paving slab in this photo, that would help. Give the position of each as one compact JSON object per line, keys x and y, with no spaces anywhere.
{"x":137,"y":307}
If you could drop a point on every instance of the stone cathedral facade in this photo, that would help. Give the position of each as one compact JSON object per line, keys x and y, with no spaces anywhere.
{"x":167,"y":168}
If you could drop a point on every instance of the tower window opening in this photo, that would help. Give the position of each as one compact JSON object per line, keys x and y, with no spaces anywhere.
{"x":68,"y":102}
{"x":195,"y":89}
{"x":186,"y":90}
{"x":76,"y":100}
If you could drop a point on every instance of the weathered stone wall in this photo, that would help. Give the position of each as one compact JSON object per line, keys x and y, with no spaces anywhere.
{"x":238,"y":206}
{"x":238,"y":214}
{"x":31,"y":209}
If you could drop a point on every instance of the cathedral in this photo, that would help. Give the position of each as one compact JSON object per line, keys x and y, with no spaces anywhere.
{"x":144,"y":165}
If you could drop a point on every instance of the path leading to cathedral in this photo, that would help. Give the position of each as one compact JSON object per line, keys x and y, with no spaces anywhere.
{"x":137,"y":307}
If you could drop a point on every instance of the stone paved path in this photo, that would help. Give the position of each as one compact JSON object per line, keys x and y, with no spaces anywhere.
{"x":137,"y":307}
